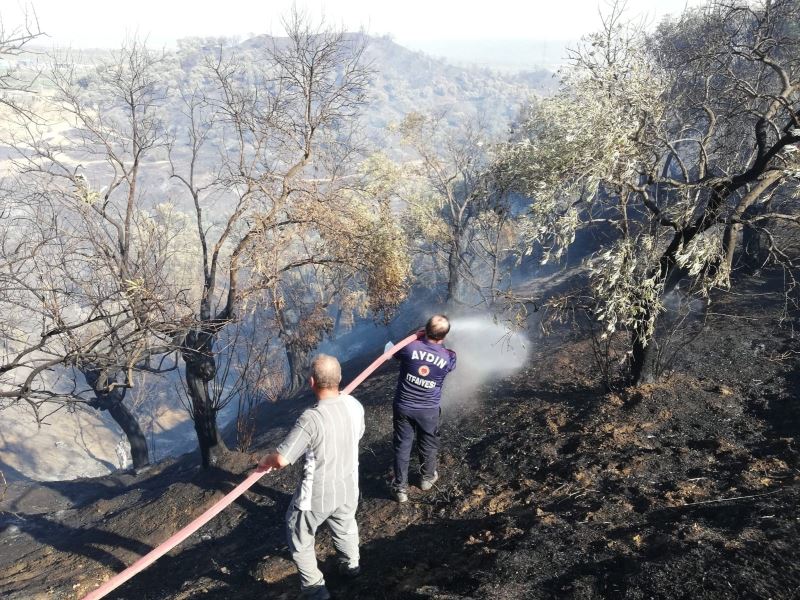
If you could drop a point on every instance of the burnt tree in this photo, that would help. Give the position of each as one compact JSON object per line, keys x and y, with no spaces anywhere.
{"x":678,"y":140}
{"x":304,"y":87}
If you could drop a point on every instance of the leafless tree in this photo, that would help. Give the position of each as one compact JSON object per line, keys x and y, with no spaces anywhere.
{"x":250,"y":372}
{"x":14,"y":85}
{"x":276,"y":119}
{"x":100,"y":287}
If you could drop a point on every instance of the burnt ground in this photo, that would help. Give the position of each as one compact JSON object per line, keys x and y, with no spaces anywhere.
{"x":550,"y":488}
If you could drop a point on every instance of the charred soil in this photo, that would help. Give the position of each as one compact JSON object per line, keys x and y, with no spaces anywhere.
{"x":550,"y":487}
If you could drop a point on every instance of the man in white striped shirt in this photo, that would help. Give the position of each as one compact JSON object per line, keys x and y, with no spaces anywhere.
{"x":328,"y":436}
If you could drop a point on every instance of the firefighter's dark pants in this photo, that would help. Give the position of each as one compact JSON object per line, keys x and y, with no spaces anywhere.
{"x":424,"y":423}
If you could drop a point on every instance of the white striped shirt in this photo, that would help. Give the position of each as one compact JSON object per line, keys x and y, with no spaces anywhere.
{"x":328,"y":435}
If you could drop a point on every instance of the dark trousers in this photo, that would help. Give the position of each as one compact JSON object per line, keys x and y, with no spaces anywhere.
{"x":424,"y":423}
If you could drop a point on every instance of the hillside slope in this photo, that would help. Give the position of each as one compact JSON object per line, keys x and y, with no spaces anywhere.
{"x":84,"y":444}
{"x":550,"y":488}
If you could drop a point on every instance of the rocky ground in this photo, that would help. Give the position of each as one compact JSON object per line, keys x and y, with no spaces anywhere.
{"x":550,"y":487}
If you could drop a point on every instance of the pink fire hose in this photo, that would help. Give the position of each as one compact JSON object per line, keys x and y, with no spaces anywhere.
{"x":159,"y":551}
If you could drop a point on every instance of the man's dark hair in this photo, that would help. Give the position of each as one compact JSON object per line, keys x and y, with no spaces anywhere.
{"x":437,"y":327}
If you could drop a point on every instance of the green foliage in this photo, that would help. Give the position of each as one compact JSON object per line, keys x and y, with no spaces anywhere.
{"x":672,"y":140}
{"x":587,"y":138}
{"x":364,"y":236}
{"x":457,"y":214}
{"x":627,"y":294}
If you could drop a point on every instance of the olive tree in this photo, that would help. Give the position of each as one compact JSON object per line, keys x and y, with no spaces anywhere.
{"x":674,"y":139}
{"x":367,"y":274}
{"x":458,"y":215}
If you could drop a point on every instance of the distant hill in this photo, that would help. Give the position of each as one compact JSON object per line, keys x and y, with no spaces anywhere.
{"x":404,"y":80}
{"x":409,"y":80}
{"x":507,"y":55}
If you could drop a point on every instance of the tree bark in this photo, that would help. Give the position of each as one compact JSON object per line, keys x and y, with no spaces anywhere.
{"x":113,"y":402}
{"x":643,"y":367}
{"x":298,"y":367}
{"x":755,"y":249}
{"x":201,"y":368}
{"x":643,"y":362}
{"x":455,"y":284}
{"x":138,"y":444}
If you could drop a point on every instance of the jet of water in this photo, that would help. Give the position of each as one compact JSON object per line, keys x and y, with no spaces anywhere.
{"x":487,"y":351}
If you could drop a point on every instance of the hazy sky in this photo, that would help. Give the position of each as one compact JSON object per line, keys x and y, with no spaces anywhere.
{"x":86,"y":23}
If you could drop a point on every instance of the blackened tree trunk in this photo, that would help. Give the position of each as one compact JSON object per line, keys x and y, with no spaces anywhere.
{"x":455,"y":276}
{"x":298,"y":360}
{"x":110,"y":398}
{"x":130,"y":426}
{"x":643,"y":362}
{"x":643,"y":366}
{"x":201,"y":368}
{"x":644,"y":355}
{"x":755,"y":243}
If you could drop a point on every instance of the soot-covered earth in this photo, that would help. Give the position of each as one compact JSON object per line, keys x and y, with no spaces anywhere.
{"x":551,"y":487}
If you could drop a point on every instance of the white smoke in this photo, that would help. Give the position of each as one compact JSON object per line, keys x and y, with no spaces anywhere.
{"x":487,"y":351}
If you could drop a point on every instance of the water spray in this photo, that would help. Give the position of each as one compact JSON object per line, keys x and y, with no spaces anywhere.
{"x":486,"y":350}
